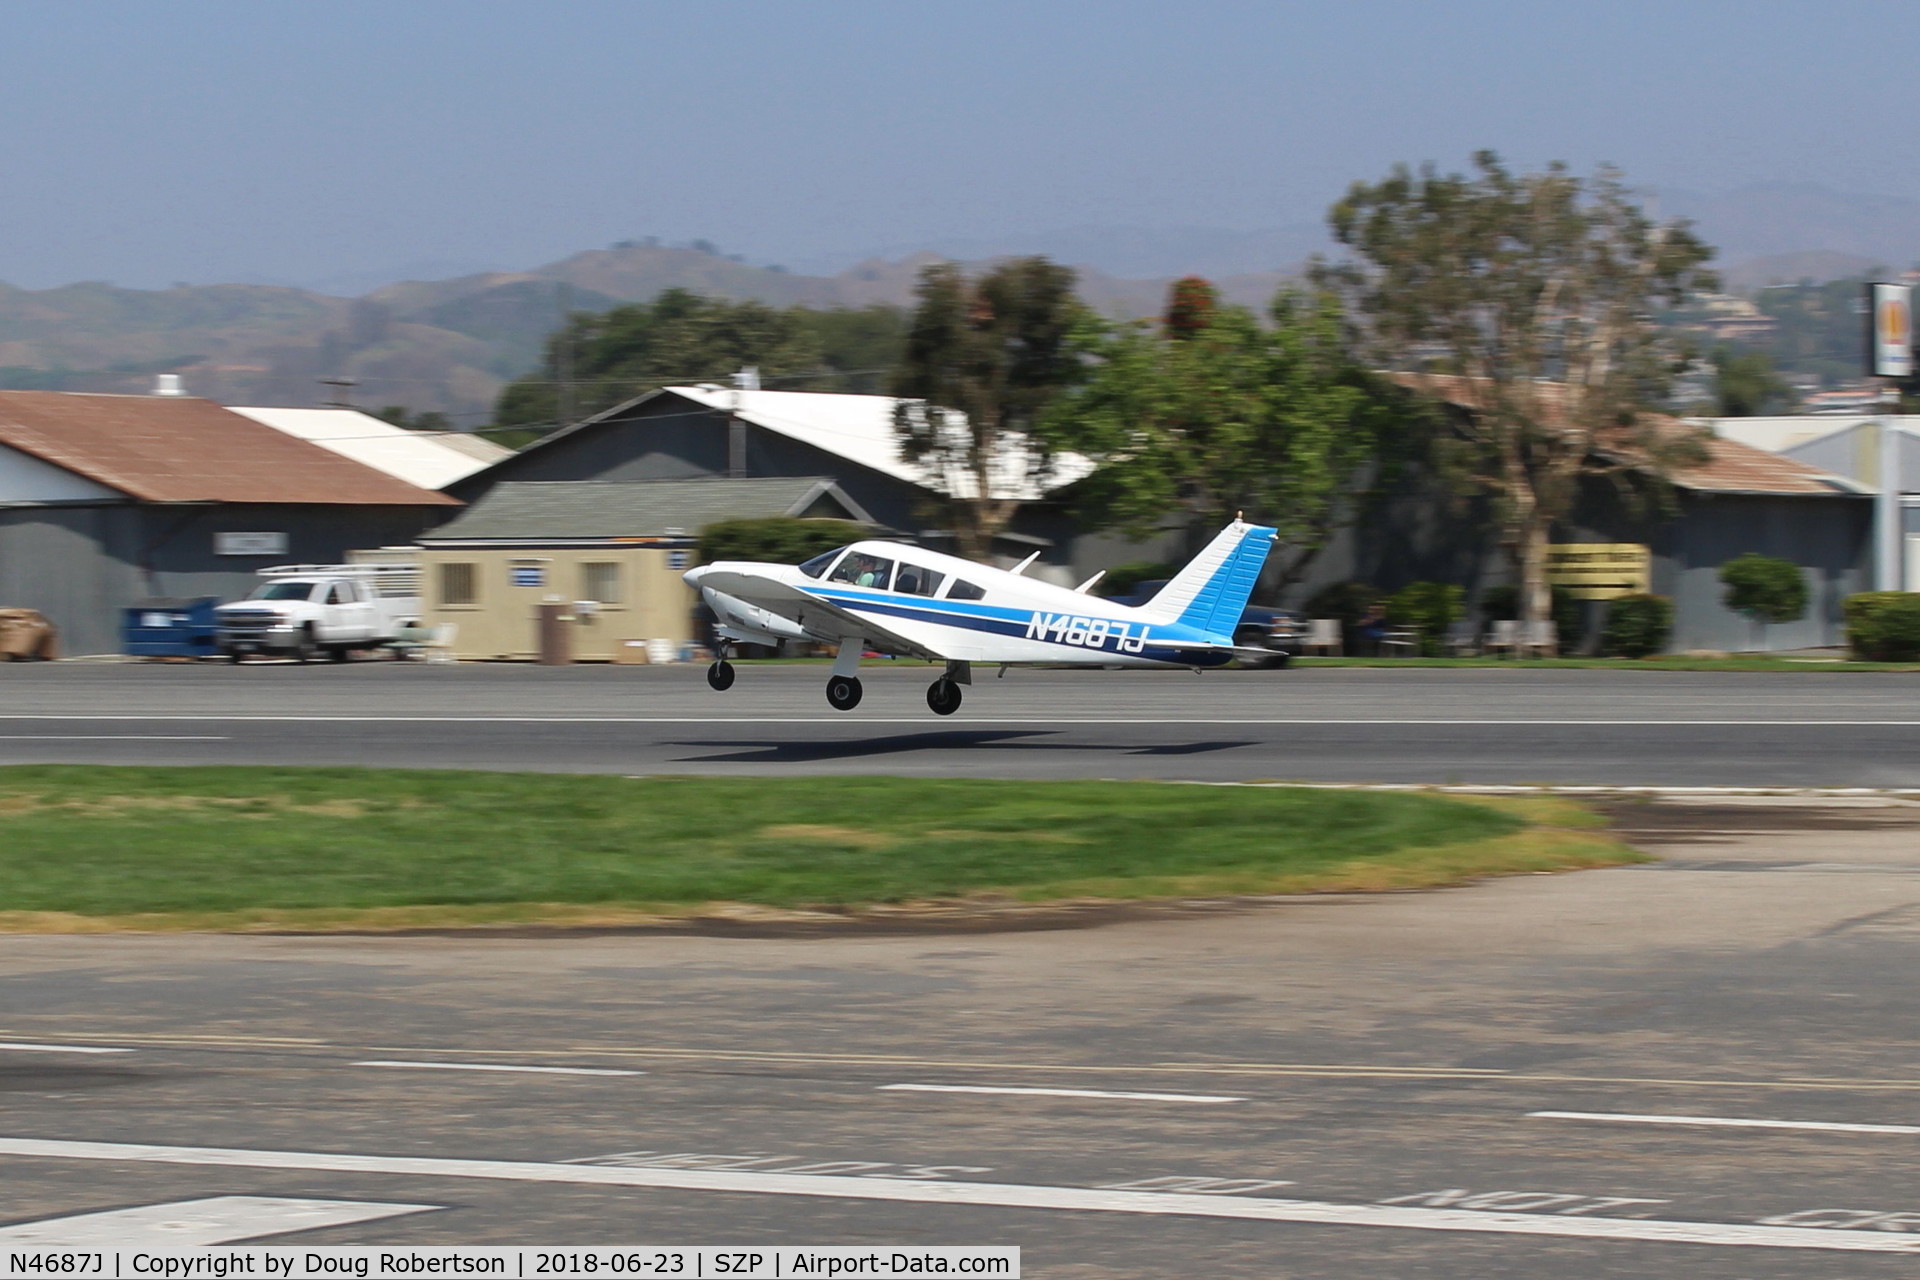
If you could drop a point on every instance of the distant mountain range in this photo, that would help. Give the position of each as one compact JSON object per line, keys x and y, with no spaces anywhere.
{"x":451,"y":344}
{"x":446,"y":345}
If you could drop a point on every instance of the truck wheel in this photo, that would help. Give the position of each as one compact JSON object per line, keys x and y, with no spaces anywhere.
{"x":1252,"y":638}
{"x":305,"y":649}
{"x":233,"y":656}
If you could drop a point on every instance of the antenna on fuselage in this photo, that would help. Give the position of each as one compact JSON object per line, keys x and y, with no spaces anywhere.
{"x":1022,"y":566}
{"x":1082,"y":588}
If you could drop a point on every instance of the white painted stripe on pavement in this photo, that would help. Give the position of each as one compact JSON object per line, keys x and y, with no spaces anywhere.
{"x":187,"y":1224}
{"x":976,"y":720}
{"x":500,"y":1066}
{"x":999,"y":1195}
{"x":58,"y":1048}
{"x":112,"y":737}
{"x":1060,"y":1093}
{"x":1727,"y":1122}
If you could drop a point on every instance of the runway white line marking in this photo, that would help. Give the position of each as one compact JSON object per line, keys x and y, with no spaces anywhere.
{"x":57,"y":1048}
{"x":186,"y":1224}
{"x":500,"y":1066}
{"x":973,"y":720}
{"x":111,"y":737}
{"x":999,"y":1195}
{"x":1060,"y":1093}
{"x":1726,"y":1122}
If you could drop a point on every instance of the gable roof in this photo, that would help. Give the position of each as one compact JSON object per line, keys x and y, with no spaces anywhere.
{"x":430,"y":459}
{"x":858,"y":428}
{"x":1730,"y":467}
{"x":635,"y":508}
{"x":184,"y":449}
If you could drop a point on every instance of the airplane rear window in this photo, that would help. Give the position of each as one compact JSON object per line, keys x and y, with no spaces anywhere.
{"x":914,"y":581}
{"x":818,"y":565}
{"x":862,"y":570}
{"x":966,"y":591}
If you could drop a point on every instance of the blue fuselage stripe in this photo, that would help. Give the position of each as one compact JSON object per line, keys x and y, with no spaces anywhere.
{"x":1162,"y":643}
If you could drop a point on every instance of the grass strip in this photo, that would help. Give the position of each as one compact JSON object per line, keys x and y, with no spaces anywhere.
{"x":85,"y":848}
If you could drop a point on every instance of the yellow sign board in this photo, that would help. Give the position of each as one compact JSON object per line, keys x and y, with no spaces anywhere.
{"x":1600,"y":570}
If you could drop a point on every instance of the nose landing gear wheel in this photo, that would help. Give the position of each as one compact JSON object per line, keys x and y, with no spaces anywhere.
{"x":720,"y":675}
{"x":943,"y":696}
{"x":843,"y":693}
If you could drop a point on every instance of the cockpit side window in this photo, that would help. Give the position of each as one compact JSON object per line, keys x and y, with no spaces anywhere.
{"x":818,"y":565}
{"x":965,"y":591}
{"x":912,"y":580}
{"x":862,"y":570}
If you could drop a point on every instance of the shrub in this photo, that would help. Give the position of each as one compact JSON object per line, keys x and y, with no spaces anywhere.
{"x":1347,"y":601}
{"x":1427,"y":607}
{"x":1884,"y":626}
{"x":1638,"y":625}
{"x":1123,"y":578}
{"x":779,"y":539}
{"x":1504,"y":602}
{"x":1765,"y":588}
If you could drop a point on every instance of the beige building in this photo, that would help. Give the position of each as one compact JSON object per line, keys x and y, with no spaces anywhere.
{"x":610,"y":552}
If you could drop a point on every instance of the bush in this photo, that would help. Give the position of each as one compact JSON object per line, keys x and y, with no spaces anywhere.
{"x":1427,"y":607}
{"x":1347,"y":601}
{"x":1884,"y":626}
{"x":778,"y":539}
{"x":1765,"y":588}
{"x":1123,"y":578}
{"x":1638,"y":625}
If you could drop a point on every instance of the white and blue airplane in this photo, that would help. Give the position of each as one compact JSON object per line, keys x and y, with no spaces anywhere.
{"x":898,"y":599}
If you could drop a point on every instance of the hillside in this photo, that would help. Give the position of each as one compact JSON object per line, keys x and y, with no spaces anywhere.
{"x":446,"y":345}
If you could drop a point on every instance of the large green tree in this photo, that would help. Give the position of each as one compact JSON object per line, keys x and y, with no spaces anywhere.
{"x":1207,"y":413}
{"x":1531,"y":298}
{"x":983,"y":359}
{"x":599,"y":359}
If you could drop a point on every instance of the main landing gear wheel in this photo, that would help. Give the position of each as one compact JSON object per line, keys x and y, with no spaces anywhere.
{"x":843,"y":693}
{"x":720,"y":675}
{"x":943,"y":696}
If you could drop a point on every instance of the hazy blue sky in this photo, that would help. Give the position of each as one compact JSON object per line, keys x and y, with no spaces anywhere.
{"x":205,"y":140}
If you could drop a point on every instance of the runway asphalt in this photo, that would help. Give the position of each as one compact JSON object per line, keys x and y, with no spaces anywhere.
{"x":1411,"y":726}
{"x":1702,"y":1067}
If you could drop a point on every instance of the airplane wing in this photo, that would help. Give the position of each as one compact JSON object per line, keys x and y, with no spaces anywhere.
{"x":821,"y":617}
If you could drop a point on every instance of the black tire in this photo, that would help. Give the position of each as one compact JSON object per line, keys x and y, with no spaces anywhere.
{"x":1251,"y":638}
{"x":720,"y":675}
{"x":843,"y":693}
{"x":337,"y":654}
{"x":233,"y":656}
{"x":305,"y":649}
{"x":943,"y":697}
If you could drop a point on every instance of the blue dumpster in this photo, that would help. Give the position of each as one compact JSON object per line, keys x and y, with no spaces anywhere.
{"x":165,"y":627}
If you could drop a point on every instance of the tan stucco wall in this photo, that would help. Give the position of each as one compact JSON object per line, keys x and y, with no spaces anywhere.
{"x":655,"y":603}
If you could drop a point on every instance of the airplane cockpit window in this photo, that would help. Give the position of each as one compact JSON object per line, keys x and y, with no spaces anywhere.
{"x":965,"y":591}
{"x":862,"y":570}
{"x":912,"y":580}
{"x":818,"y":565}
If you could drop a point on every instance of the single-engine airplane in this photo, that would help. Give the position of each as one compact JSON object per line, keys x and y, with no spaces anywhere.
{"x":898,"y":599}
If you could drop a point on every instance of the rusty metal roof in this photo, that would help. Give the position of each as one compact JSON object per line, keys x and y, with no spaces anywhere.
{"x":183,"y":449}
{"x":1729,"y":466}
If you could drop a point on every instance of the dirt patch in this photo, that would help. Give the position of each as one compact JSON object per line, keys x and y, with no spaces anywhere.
{"x":838,"y":835}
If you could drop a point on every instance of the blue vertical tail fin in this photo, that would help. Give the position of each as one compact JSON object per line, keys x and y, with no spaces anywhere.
{"x":1214,"y":587}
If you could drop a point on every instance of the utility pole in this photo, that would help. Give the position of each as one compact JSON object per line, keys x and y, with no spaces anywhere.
{"x":563,"y":356}
{"x":1889,"y":359}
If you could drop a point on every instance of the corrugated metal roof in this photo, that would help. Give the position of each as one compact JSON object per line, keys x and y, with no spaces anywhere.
{"x":1730,"y":466}
{"x":183,"y":449}
{"x":429,"y":459}
{"x":631,"y":508}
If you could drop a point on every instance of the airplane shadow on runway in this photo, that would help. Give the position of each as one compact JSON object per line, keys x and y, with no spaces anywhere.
{"x":768,"y":751}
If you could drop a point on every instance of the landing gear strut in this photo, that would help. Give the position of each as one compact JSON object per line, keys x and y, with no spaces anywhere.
{"x":943,"y":696}
{"x":843,"y":693}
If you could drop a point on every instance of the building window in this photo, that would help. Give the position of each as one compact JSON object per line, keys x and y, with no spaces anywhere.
{"x":600,"y":582}
{"x":457,"y":584}
{"x":527,"y":573}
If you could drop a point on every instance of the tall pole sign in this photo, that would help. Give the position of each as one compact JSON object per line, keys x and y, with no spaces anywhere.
{"x":1890,"y":330}
{"x":1889,"y":355}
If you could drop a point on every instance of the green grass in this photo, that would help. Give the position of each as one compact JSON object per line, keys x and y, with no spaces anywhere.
{"x":1664,"y":663}
{"x":230,"y":847}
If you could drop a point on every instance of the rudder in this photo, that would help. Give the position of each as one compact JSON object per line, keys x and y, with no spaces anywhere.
{"x":1210,"y":593}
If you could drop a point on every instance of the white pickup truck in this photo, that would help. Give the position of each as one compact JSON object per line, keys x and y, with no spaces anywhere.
{"x":308,"y":610}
